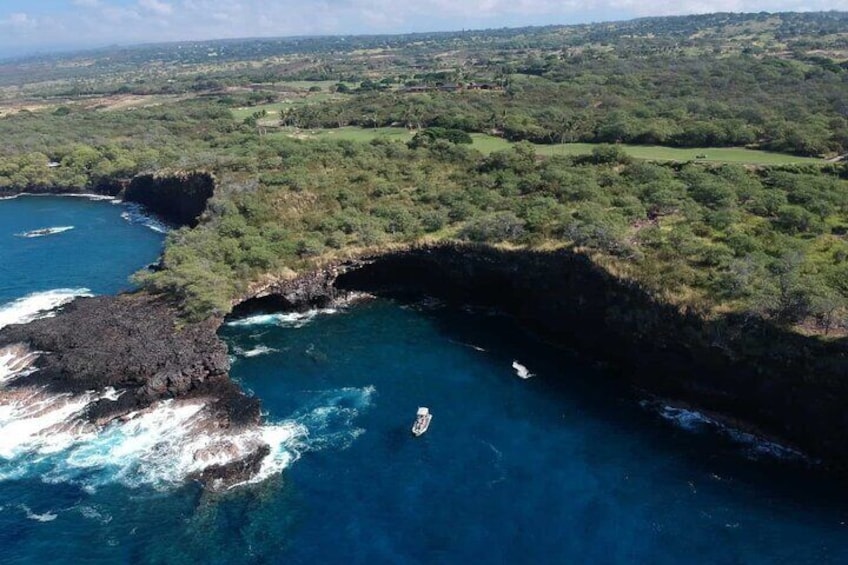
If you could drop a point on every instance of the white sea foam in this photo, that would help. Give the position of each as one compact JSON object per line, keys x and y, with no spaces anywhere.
{"x":521,"y":370}
{"x":136,"y":214}
{"x":255,"y":352}
{"x":109,"y":393}
{"x":35,"y":422}
{"x":41,"y":232}
{"x":689,"y":420}
{"x":285,"y":320}
{"x":694,"y":421}
{"x":45,"y":517}
{"x":38,"y":305}
{"x":470,"y":345}
{"x":330,"y":418}
{"x":16,"y":361}
{"x":93,"y":513}
{"x":90,"y":196}
{"x":87,"y":196}
{"x":43,"y":434}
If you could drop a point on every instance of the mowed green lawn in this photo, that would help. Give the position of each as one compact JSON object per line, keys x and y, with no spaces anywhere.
{"x":349,"y":134}
{"x":274,"y":108}
{"x":487,"y":144}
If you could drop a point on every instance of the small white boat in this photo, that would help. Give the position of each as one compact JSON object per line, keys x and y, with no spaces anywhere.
{"x":422,"y":421}
{"x":521,"y":370}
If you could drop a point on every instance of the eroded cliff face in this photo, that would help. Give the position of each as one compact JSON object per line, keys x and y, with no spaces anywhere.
{"x":777,"y":383}
{"x":179,"y":198}
{"x":115,"y":360}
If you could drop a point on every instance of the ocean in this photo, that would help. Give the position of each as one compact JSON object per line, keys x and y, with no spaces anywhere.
{"x":533,"y":454}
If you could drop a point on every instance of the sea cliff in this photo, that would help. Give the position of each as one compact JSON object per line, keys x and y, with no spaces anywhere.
{"x":743,"y":370}
{"x":177,"y":197}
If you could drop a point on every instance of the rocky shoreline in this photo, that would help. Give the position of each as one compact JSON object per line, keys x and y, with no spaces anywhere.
{"x":779,"y":385}
{"x":125,"y":355}
{"x":774,"y":383}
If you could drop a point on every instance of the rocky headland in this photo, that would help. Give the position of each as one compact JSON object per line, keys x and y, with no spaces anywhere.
{"x":179,"y":197}
{"x":124,"y":356}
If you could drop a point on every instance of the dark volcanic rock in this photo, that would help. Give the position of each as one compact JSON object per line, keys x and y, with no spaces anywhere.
{"x":234,"y":472}
{"x":180,"y":198}
{"x":133,"y":343}
{"x":755,"y":375}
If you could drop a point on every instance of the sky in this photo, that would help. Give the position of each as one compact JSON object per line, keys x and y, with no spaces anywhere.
{"x":42,"y":25}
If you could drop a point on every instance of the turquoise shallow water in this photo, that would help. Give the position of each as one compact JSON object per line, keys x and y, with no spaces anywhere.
{"x":562,"y":467}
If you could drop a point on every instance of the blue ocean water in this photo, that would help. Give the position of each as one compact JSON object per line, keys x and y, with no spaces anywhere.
{"x":561,"y":467}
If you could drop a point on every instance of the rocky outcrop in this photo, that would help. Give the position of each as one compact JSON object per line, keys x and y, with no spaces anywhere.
{"x":134,"y":346}
{"x":314,"y":289}
{"x":777,"y":383}
{"x":179,"y":198}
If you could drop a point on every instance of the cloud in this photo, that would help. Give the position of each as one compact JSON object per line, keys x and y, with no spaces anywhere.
{"x":157,"y":7}
{"x":19,"y":20}
{"x":134,"y":21}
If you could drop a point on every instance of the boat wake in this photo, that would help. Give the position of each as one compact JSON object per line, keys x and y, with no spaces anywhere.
{"x":137,"y":214}
{"x":41,"y":232}
{"x":38,"y":305}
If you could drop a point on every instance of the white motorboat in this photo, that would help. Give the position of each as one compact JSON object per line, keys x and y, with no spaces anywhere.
{"x":422,"y":421}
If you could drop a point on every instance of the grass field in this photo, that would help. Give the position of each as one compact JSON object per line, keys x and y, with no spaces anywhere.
{"x":487,"y":144}
{"x":274,"y":108}
{"x":349,"y":133}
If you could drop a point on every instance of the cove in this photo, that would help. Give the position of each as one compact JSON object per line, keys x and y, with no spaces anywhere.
{"x":562,"y":467}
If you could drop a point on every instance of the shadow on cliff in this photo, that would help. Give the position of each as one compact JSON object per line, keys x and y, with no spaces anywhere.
{"x":753,"y":374}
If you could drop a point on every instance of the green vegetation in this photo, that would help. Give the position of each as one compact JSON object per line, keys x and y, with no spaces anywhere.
{"x":488,"y":143}
{"x":649,"y":145}
{"x":768,"y":241}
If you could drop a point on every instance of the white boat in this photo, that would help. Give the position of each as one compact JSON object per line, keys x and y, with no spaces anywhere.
{"x":422,"y":421}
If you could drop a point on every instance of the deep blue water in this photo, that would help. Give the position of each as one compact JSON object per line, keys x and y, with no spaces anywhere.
{"x":564,"y":467}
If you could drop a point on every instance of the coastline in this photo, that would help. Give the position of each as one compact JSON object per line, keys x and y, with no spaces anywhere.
{"x":746,"y":375}
{"x":756,"y":378}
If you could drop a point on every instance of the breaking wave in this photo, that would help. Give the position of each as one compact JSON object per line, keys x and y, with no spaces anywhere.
{"x":694,"y":421}
{"x":38,"y":305}
{"x":90,"y":196}
{"x":255,"y":352}
{"x":137,"y":214}
{"x":41,"y":232}
{"x":16,"y":361}
{"x":45,"y":434}
{"x":84,"y":195}
{"x":284,"y":320}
